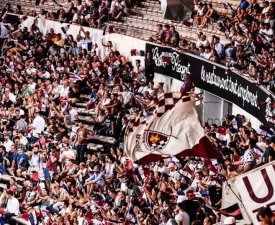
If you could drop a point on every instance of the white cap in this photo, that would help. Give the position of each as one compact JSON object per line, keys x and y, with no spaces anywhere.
{"x":229,"y":220}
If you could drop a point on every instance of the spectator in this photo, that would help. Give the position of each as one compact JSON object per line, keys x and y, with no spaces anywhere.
{"x":12,"y":208}
{"x":269,"y":154}
{"x":215,"y":44}
{"x":266,"y":215}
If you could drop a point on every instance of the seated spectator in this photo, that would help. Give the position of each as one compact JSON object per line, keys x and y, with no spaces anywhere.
{"x":19,"y":164}
{"x":210,"y":16}
{"x":159,"y":36}
{"x":202,"y":41}
{"x":207,"y":53}
{"x":12,"y":208}
{"x":174,"y":37}
{"x":201,"y":12}
{"x":248,"y":161}
{"x":219,"y":48}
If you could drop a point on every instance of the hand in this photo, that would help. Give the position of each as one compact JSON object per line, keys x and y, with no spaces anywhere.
{"x":222,"y":172}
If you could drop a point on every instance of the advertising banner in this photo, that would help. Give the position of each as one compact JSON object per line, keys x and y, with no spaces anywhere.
{"x":212,"y":78}
{"x":258,"y":194}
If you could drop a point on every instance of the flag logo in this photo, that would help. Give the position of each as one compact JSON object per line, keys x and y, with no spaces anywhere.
{"x":156,"y":141}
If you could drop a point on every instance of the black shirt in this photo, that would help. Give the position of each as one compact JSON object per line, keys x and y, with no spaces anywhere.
{"x":269,"y":152}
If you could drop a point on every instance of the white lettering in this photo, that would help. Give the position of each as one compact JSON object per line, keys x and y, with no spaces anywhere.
{"x":229,"y":85}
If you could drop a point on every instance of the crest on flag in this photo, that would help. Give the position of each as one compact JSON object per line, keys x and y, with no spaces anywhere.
{"x":156,"y":140}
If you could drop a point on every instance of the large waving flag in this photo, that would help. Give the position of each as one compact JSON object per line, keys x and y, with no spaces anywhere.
{"x":172,"y":130}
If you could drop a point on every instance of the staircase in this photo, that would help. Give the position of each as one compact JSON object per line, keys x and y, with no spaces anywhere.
{"x":98,"y":143}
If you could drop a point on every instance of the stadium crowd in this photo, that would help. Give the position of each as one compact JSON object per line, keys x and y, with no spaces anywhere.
{"x":86,"y":13}
{"x":249,"y":31}
{"x":44,"y":141}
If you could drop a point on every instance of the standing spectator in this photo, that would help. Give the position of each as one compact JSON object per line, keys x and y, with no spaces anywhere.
{"x":82,"y":135}
{"x":181,"y":217}
{"x":269,"y":154}
{"x":38,"y":125}
{"x":149,"y":67}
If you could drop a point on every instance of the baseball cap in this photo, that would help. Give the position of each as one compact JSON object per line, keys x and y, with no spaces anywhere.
{"x":229,"y":220}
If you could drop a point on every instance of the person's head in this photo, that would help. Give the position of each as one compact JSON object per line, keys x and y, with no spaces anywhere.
{"x":203,"y":37}
{"x":164,"y":216}
{"x":216,"y":39}
{"x":267,"y":26}
{"x":272,"y":140}
{"x":2,"y":149}
{"x":207,"y":221}
{"x":19,"y":151}
{"x":190,"y":195}
{"x":229,"y":221}
{"x":166,"y":27}
{"x":137,"y":62}
{"x":207,"y":49}
{"x":252,"y":143}
{"x":81,"y":125}
{"x":6,"y":137}
{"x":96,"y":169}
{"x":265,"y":215}
{"x":9,"y":194}
{"x":87,"y":34}
{"x":35,"y":149}
{"x":124,"y":120}
{"x":159,"y":26}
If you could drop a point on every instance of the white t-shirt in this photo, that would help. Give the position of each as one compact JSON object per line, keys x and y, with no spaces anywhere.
{"x":12,"y":97}
{"x":32,"y":87}
{"x":73,"y":113}
{"x":13,"y":206}
{"x":86,"y":43}
{"x":183,"y":217}
{"x":8,"y":145}
{"x":38,"y":124}
{"x":64,"y":91}
{"x":66,"y":155}
{"x":126,"y":96}
{"x":206,"y":55}
{"x":142,"y":89}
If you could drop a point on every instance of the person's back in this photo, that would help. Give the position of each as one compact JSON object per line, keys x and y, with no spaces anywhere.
{"x":182,"y":218}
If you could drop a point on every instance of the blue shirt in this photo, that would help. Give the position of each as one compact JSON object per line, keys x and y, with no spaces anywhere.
{"x":244,"y":4}
{"x":24,"y":157}
{"x":97,"y":178}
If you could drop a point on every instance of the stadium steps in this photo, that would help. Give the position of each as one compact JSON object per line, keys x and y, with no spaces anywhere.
{"x":95,"y":147}
{"x":86,"y":112}
{"x":29,"y":6}
{"x":8,"y":178}
{"x":141,"y":22}
{"x":98,"y":142}
{"x":90,"y":120}
{"x":81,"y":104}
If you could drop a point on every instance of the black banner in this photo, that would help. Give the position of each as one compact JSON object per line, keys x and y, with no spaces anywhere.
{"x":214,"y":79}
